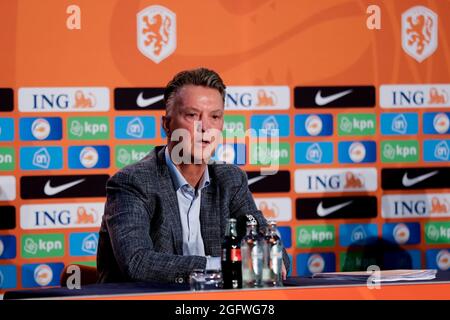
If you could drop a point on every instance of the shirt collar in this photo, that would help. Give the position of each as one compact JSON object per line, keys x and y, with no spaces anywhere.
{"x":178,"y":179}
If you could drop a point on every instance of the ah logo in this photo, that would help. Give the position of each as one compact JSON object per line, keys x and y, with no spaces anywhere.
{"x":156,"y":32}
{"x":419,"y":32}
{"x":35,"y":158}
{"x":135,"y":128}
{"x":436,"y":150}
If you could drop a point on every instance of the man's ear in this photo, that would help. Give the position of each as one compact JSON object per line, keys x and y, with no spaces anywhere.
{"x":165,"y":124}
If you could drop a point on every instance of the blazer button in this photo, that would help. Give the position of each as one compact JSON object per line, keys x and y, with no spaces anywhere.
{"x":179,"y":280}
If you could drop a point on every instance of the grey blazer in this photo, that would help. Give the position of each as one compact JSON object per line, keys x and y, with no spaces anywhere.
{"x":140,"y":238}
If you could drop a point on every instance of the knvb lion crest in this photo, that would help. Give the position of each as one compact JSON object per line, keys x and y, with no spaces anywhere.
{"x":156,"y":32}
{"x":419,"y":32}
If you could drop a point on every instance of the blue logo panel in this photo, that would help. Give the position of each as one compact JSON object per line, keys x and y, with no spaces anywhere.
{"x":307,"y":125}
{"x":438,"y":259}
{"x":436,"y":150}
{"x":285,"y":233}
{"x":399,"y":123}
{"x":402,"y":233}
{"x":7,"y":247}
{"x":6,"y":129}
{"x":41,"y":158}
{"x":40,"y":129}
{"x":8,"y":277}
{"x":41,"y":274}
{"x":89,"y":157}
{"x":313,"y":153}
{"x":406,"y":259}
{"x":357,"y":234}
{"x":436,"y":123}
{"x":357,"y":152}
{"x":309,"y":263}
{"x":135,"y":127}
{"x":270,"y":125}
{"x":83,"y":244}
{"x":232,"y":153}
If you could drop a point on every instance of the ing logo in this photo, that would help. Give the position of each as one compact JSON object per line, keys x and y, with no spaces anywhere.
{"x":419,"y":32}
{"x":83,"y":100}
{"x":266,"y":98}
{"x":156,"y":32}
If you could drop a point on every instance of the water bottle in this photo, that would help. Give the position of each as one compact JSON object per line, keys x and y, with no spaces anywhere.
{"x":273,"y":257}
{"x":252,"y":251}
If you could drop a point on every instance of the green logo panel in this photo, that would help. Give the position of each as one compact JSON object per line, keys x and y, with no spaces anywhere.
{"x":234,"y":126}
{"x":437,"y":232}
{"x":43,"y":245}
{"x":399,"y":151}
{"x":126,"y":154}
{"x":7,"y":158}
{"x":316,"y":236}
{"x":88,"y":128}
{"x":356,"y":124}
{"x":270,"y":153}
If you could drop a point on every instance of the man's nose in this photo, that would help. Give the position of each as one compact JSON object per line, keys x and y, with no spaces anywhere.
{"x":203,"y":125}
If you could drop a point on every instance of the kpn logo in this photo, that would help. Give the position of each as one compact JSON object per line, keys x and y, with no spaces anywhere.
{"x":437,"y":232}
{"x":356,"y":124}
{"x":399,"y":151}
{"x":43,"y":246}
{"x":88,"y":128}
{"x":129,"y":154}
{"x":316,"y":236}
{"x":234,"y":126}
{"x":7,"y":158}
{"x":270,"y":153}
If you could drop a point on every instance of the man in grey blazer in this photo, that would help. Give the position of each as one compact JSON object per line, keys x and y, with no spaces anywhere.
{"x":166,"y":214}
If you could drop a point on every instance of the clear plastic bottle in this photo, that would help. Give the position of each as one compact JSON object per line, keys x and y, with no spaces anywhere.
{"x":252,"y":250}
{"x":273,"y":257}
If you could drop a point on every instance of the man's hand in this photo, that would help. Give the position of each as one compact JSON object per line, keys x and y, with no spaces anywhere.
{"x":283,"y":272}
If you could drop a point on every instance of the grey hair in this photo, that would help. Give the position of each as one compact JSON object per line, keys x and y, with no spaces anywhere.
{"x":197,"y":77}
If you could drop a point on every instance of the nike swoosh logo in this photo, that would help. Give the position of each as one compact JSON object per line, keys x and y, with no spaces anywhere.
{"x":323,"y":212}
{"x":142,"y":103}
{"x":51,"y":191}
{"x":255,"y":179}
{"x":321,"y":101}
{"x":410,"y":182}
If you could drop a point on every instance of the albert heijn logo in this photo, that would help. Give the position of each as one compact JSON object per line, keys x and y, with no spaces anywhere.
{"x":357,"y":152}
{"x":415,"y":96}
{"x":313,"y":153}
{"x":6,"y":129}
{"x":89,"y":157}
{"x":64,"y":99}
{"x":41,"y":275}
{"x":313,"y":125}
{"x":156,"y":32}
{"x":399,"y":123}
{"x":355,"y":234}
{"x":436,"y":122}
{"x":135,"y":127}
{"x":270,"y":125}
{"x":41,"y":158}
{"x":83,"y":244}
{"x":61,"y":216}
{"x":257,"y":98}
{"x":39,"y":129}
{"x":436,"y":150}
{"x":419,"y":32}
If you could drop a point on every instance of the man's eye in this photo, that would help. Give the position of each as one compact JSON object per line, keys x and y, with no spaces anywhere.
{"x":191,"y":114}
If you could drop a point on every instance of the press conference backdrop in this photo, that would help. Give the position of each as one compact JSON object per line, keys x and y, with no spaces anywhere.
{"x":360,"y":95}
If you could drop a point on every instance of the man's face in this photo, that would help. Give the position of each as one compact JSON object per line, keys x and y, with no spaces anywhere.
{"x":196,"y":120}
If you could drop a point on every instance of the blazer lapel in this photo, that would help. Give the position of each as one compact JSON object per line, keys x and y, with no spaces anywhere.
{"x":169,"y":201}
